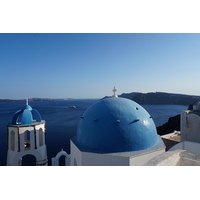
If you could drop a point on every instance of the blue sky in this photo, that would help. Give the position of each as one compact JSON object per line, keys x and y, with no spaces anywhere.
{"x":89,"y":65}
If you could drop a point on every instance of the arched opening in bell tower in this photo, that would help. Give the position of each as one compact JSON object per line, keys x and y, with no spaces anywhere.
{"x":27,"y":143}
{"x":28,"y":160}
{"x":41,"y":142}
{"x":62,"y":160}
{"x":12,"y":141}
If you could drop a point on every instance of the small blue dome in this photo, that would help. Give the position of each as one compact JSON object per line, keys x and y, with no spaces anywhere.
{"x":115,"y":125}
{"x":26,"y":116}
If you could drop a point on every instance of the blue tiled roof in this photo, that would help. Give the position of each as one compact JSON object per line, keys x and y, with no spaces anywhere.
{"x":115,"y":125}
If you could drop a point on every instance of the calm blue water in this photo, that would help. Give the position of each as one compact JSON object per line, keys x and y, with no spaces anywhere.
{"x":62,"y":121}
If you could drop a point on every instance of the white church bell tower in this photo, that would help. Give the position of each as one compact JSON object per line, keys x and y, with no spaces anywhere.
{"x":26,"y":136}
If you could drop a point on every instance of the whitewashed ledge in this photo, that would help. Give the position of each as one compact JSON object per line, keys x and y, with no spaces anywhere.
{"x":177,"y":157}
{"x":169,"y":158}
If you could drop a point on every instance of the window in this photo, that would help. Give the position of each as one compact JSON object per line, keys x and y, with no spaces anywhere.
{"x":12,"y":141}
{"x":27,"y":140}
{"x":41,"y":142}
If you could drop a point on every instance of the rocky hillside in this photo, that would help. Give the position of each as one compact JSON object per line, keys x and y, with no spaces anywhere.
{"x":161,"y":98}
{"x":169,"y":127}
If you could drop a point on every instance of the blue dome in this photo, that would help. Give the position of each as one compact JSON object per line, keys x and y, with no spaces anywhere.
{"x":115,"y":125}
{"x":26,"y":116}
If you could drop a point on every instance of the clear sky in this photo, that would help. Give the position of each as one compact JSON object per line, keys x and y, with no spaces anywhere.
{"x":86,"y":65}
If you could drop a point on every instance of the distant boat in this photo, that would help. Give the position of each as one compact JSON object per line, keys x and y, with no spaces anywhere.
{"x":72,"y":106}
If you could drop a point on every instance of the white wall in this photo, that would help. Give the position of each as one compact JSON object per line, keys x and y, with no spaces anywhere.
{"x":75,"y":156}
{"x":115,"y":159}
{"x":192,"y":147}
{"x":182,"y":154}
{"x":141,"y":159}
{"x":93,"y":159}
{"x":189,"y":159}
{"x":190,"y":127}
{"x":171,"y":158}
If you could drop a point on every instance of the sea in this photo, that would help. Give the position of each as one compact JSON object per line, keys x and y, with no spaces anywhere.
{"x":62,"y":121}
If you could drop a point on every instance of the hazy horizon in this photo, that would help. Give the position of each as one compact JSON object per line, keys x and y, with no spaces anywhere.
{"x":94,"y":98}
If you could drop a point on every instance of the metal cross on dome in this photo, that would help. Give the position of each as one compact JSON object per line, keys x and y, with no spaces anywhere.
{"x":26,"y":101}
{"x":114,"y":90}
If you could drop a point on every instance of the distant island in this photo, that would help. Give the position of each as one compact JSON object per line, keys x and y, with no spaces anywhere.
{"x":161,"y":98}
{"x":32,"y":99}
{"x":140,"y":98}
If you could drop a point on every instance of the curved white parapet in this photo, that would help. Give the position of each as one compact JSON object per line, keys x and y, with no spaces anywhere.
{"x":55,"y":160}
